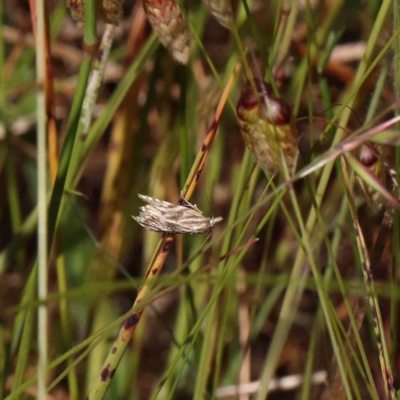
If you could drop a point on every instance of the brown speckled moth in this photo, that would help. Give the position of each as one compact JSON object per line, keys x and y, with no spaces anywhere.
{"x":162,"y":216}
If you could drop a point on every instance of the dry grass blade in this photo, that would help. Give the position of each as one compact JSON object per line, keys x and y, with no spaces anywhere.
{"x":387,"y":374}
{"x":344,"y":148}
{"x":111,"y":363}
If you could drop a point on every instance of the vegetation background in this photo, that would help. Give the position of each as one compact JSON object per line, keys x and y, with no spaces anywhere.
{"x":294,"y":295}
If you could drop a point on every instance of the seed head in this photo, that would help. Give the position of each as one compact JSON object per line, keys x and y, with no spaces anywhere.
{"x":171,"y":27}
{"x":266,"y":125}
{"x":221,"y":10}
{"x":109,"y":11}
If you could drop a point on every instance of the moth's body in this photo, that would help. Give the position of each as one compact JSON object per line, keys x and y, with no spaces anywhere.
{"x":162,"y":216}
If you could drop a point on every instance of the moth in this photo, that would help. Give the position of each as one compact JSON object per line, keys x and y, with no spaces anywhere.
{"x":162,"y":216}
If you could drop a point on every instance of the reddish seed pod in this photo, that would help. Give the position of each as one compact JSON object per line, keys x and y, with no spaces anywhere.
{"x":266,"y":125}
{"x":275,"y":110}
{"x":368,"y":156}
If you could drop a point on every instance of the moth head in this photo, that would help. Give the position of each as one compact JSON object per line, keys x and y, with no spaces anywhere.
{"x":214,"y":221}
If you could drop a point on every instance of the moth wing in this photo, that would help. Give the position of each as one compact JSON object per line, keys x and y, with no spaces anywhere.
{"x":155,"y":202}
{"x":146,"y":199}
{"x":181,"y":228}
{"x":189,"y":221}
{"x":151,"y":222}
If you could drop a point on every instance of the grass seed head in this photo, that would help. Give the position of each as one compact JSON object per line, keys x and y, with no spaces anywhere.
{"x":221,"y":10}
{"x":266,"y":125}
{"x":170,"y":25}
{"x":108,"y":11}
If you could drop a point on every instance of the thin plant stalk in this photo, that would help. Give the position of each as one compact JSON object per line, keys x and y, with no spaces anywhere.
{"x":22,"y":333}
{"x":111,"y":363}
{"x":291,"y":301}
{"x":394,"y":306}
{"x":73,"y":121}
{"x":48,"y":224}
{"x":98,"y":67}
{"x":90,"y":342}
{"x":94,"y":135}
{"x":384,"y":360}
{"x":66,"y":320}
{"x":42,"y":196}
{"x":281,"y":51}
{"x":67,"y":150}
{"x":335,"y":386}
{"x":92,"y":91}
{"x":14,"y":199}
{"x":183,"y":353}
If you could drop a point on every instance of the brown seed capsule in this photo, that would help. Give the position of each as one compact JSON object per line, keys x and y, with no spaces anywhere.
{"x":373,"y":159}
{"x":171,"y":27}
{"x":109,"y":11}
{"x":266,"y":125}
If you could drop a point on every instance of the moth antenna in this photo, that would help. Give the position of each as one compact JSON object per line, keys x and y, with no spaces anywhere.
{"x":205,"y":240}
{"x":209,"y":204}
{"x":182,"y":201}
